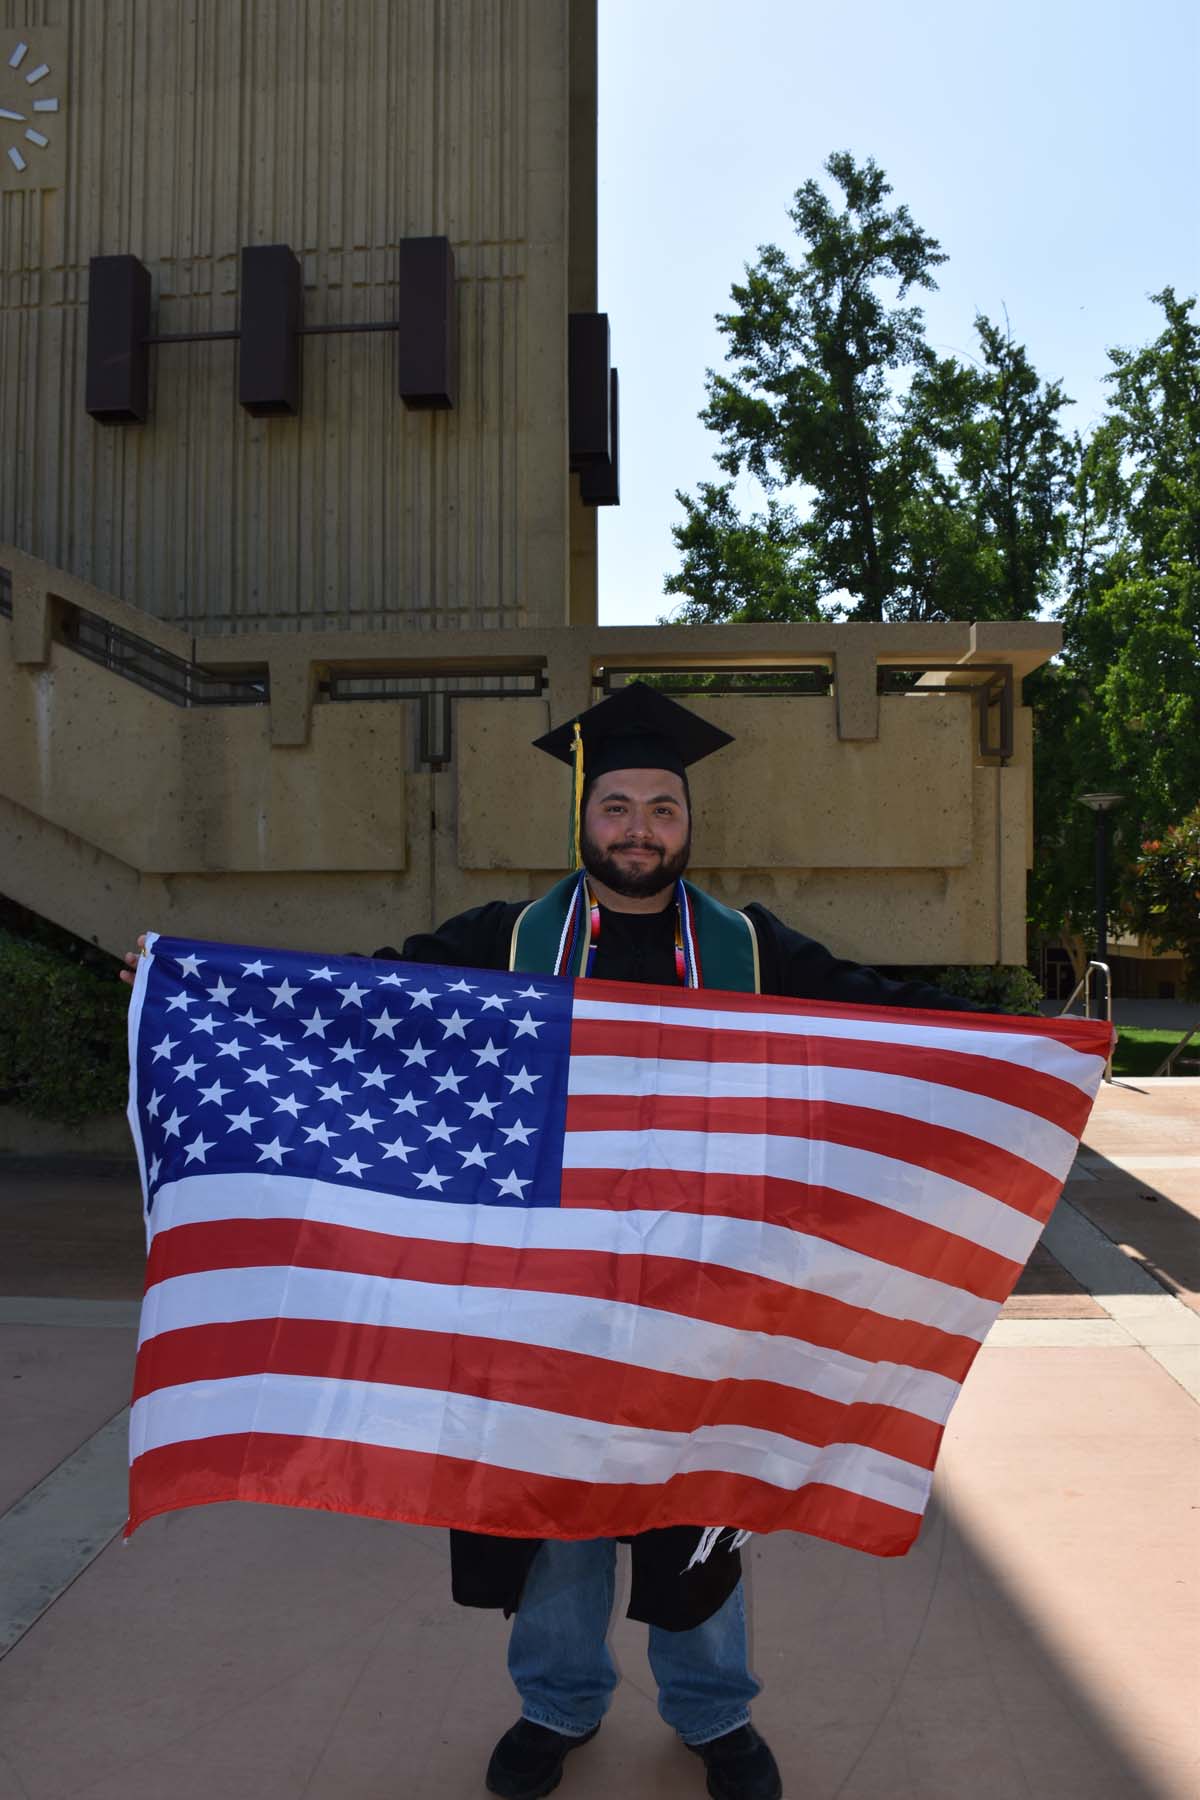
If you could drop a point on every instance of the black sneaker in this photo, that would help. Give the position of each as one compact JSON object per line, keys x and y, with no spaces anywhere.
{"x":740,"y":1766}
{"x":528,"y":1760}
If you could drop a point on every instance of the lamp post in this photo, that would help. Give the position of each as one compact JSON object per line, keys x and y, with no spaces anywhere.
{"x":1101,"y":805}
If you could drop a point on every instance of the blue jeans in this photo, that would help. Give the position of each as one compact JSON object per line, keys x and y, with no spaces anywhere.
{"x":560,"y":1664}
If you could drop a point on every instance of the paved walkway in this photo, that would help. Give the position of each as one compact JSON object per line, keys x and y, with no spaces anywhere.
{"x":1041,"y":1640}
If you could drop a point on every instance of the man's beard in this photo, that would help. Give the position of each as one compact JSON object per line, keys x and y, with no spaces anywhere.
{"x":634,"y":884}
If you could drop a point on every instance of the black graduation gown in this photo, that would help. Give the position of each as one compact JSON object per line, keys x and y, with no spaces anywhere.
{"x":491,"y":1571}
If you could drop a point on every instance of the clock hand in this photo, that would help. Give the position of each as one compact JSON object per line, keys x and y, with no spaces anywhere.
{"x":6,"y":114}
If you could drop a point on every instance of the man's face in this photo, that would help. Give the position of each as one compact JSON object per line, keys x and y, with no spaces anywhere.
{"x":636,"y":831}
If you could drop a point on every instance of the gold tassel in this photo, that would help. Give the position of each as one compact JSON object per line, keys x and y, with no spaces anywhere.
{"x":576,"y":797}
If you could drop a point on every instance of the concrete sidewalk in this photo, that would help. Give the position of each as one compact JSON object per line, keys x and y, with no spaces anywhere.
{"x":1040,"y":1640}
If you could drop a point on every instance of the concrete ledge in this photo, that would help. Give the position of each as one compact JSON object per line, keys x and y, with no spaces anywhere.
{"x":104,"y":1139}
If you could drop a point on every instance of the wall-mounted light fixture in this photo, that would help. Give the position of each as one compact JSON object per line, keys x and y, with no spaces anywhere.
{"x":270,"y":326}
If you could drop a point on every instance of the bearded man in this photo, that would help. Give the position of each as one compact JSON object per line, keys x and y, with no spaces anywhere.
{"x":629,"y":915}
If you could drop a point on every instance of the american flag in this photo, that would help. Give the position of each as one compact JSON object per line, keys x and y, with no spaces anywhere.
{"x":551,"y":1258}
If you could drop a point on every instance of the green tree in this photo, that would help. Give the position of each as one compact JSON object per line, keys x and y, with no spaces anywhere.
{"x":930,"y":488}
{"x":1164,"y":896}
{"x":1121,"y":709}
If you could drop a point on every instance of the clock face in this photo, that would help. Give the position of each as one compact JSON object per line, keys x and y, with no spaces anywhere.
{"x":32,"y":81}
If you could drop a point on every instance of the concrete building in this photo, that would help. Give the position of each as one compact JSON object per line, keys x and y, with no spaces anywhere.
{"x":285,"y":598}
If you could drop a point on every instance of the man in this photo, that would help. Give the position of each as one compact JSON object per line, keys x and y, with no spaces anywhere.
{"x":629,"y":916}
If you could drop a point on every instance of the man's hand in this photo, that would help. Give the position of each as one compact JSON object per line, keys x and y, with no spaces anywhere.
{"x":130,"y":959}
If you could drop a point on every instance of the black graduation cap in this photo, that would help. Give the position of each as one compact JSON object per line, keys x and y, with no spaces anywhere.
{"x":637,"y":727}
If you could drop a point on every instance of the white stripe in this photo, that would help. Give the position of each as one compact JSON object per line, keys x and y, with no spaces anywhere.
{"x":1008,"y":1127}
{"x":1042,"y":1052}
{"x":902,"y":1187}
{"x":615,"y":1331}
{"x":505,"y":1435}
{"x":771,"y":1251}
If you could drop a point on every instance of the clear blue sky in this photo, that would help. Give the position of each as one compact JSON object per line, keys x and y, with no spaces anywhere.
{"x":1051,"y":148}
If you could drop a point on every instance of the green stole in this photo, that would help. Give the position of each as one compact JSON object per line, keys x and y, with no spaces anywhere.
{"x":725,"y":939}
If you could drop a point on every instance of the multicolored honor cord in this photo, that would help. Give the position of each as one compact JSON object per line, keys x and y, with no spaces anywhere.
{"x":580,"y":941}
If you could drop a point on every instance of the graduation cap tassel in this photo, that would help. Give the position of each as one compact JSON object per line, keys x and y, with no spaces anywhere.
{"x":576,"y":796}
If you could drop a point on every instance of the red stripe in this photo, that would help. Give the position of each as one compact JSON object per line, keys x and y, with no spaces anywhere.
{"x":719,"y":1295}
{"x":938,"y":1148}
{"x":1030,"y":1089}
{"x":876,"y":1231}
{"x":553,"y":1381}
{"x":1089,"y":1036}
{"x":420,"y":1489}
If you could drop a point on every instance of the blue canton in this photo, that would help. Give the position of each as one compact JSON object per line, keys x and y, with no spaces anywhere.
{"x":427,"y":1082}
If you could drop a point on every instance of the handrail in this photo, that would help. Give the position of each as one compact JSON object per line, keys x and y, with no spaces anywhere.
{"x":1168,"y":1062}
{"x":1085,"y":984}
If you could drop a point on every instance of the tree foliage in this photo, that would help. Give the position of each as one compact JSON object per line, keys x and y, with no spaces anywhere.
{"x":1164,"y":901}
{"x":928,"y":488}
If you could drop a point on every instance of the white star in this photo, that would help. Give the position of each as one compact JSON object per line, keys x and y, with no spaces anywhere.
{"x":324,"y":973}
{"x":454,"y":1026}
{"x":258,"y":967}
{"x":333,"y":1092}
{"x":522,"y":1082}
{"x":181,"y":1001}
{"x":346,"y":1052}
{"x":476,"y":1157}
{"x":284,"y":994}
{"x":363,"y":1121}
{"x":260,"y":1076}
{"x":498,"y":1001}
{"x":399,"y":1148}
{"x":416,"y":1053}
{"x":448,"y":1080}
{"x":352,"y":995}
{"x":518,"y":1133}
{"x":155,"y":1166}
{"x":271,"y":1043}
{"x":207,"y":1023}
{"x":461,"y":987}
{"x":242,"y":1121}
{"x":384,"y":1025}
{"x":187,"y":1070}
{"x":220,"y":995}
{"x":171,"y":1125}
{"x":441,"y":1131}
{"x":232,"y":1048}
{"x":215,"y":1094}
{"x":319,"y":1134}
{"x":512,"y":1184}
{"x":249,"y":1017}
{"x":422,"y":997}
{"x":289,"y":1103}
{"x":393,"y":980}
{"x":315,"y":1027}
{"x":531,"y":993}
{"x":153,"y":1104}
{"x":350,"y":1165}
{"x":485,"y":1107}
{"x":190,"y":965}
{"x":489,"y":1054}
{"x":373,"y":1077}
{"x":273,"y":1152}
{"x":432,"y":1179}
{"x":409,"y":1104}
{"x":302,"y":1065}
{"x":163,"y":1049}
{"x":528,"y":1026}
{"x":198,"y":1149}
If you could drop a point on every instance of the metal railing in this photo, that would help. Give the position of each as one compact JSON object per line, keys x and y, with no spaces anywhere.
{"x":1084,"y":986}
{"x":1168,"y":1062}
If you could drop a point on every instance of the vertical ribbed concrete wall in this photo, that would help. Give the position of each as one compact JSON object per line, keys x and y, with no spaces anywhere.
{"x":338,"y":127}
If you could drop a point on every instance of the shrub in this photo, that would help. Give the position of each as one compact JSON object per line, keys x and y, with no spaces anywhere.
{"x":63,"y":1046}
{"x":1002,"y":987}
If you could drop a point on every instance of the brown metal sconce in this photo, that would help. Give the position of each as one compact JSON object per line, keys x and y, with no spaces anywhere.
{"x":592,"y":410}
{"x":269,"y":331}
